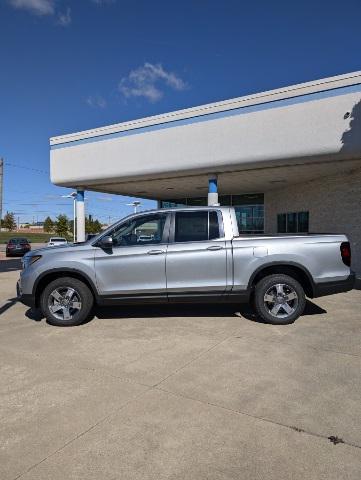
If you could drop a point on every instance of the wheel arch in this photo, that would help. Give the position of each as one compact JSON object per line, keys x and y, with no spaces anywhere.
{"x":47,"y":277}
{"x":294,"y":270}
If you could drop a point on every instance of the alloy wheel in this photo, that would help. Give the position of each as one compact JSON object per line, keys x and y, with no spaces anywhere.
{"x":281,"y":300}
{"x":64,"y":303}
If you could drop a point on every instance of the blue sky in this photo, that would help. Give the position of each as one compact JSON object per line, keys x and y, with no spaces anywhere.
{"x":70,"y":65}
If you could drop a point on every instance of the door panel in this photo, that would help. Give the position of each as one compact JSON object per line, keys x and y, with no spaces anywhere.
{"x":196,"y":256}
{"x":135,"y":265}
{"x":197,"y":267}
{"x":131,"y":270}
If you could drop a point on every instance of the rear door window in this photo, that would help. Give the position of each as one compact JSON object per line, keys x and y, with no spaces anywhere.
{"x":196,"y":226}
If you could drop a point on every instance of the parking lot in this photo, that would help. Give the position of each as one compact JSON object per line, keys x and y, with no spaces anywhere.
{"x":190,"y":392}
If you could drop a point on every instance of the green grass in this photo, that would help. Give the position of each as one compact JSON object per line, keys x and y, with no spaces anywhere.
{"x":32,"y":237}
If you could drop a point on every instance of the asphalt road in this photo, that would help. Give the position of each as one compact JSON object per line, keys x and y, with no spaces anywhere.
{"x":180,"y":393}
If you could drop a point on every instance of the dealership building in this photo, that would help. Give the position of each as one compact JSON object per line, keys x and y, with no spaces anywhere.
{"x":288,"y":160}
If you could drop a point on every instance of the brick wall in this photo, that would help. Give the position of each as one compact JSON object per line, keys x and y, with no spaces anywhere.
{"x":334,"y":204}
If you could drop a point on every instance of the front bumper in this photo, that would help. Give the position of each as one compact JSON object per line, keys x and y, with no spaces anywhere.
{"x":330,"y":288}
{"x":26,"y":299}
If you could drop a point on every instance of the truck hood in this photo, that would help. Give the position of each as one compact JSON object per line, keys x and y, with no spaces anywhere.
{"x":56,"y":248}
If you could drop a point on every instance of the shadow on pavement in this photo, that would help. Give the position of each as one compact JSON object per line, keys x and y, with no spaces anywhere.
{"x":162,"y":311}
{"x":34,"y":314}
{"x":10,"y":302}
{"x":179,"y":310}
{"x":311,"y":309}
{"x":10,"y":265}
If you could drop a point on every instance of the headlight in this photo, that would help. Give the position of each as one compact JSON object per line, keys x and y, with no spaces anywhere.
{"x":29,"y":260}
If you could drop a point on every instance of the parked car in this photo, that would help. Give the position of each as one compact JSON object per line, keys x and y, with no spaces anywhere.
{"x":90,"y":236}
{"x":193,"y":254}
{"x":17,"y":246}
{"x":55,"y":241}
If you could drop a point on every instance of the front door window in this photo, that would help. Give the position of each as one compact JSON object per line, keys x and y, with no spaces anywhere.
{"x":147,"y":230}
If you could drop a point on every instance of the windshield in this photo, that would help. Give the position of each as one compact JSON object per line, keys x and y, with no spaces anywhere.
{"x":18,"y":240}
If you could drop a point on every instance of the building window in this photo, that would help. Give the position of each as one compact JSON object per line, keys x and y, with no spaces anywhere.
{"x":293,"y":222}
{"x":249,"y":209}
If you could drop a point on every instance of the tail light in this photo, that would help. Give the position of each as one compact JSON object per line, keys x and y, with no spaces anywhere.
{"x":10,"y":246}
{"x":346,"y":253}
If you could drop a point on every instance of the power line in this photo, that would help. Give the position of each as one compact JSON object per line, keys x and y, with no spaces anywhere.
{"x":27,"y":168}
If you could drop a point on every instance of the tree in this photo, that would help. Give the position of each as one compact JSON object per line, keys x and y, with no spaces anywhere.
{"x":9,"y":221}
{"x":97,"y":226}
{"x":48,"y":225}
{"x":62,"y":225}
{"x":92,"y":226}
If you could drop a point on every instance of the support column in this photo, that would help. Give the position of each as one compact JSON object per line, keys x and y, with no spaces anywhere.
{"x":212,"y":191}
{"x":80,"y":216}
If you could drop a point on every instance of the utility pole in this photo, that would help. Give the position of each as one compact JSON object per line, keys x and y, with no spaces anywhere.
{"x":1,"y":190}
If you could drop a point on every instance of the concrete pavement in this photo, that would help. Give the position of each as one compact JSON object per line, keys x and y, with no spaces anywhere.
{"x":174,"y":392}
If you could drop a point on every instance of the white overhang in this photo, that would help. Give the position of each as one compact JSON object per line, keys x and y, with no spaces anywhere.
{"x":309,"y":128}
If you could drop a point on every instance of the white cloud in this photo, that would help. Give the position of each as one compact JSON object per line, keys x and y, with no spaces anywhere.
{"x":105,"y":199}
{"x":38,"y":7}
{"x":51,"y":7}
{"x":148,"y":81}
{"x":96,"y":101}
{"x":64,"y":19}
{"x":102,"y":2}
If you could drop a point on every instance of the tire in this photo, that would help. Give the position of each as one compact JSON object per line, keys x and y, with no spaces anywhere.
{"x":279,"y":299}
{"x":66,"y":302}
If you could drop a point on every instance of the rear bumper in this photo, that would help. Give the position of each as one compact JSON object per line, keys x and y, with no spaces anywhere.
{"x":330,"y":288}
{"x":28,"y":300}
{"x":16,"y":253}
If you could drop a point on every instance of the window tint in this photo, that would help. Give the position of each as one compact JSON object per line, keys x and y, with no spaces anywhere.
{"x":213,"y":225}
{"x":196,"y":226}
{"x":18,"y":240}
{"x":147,"y":230}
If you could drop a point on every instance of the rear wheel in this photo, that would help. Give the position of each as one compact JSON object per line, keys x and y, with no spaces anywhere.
{"x":66,"y":302}
{"x":279,"y":299}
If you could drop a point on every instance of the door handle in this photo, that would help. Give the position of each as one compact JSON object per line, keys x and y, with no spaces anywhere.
{"x":155,"y":252}
{"x":215,"y":247}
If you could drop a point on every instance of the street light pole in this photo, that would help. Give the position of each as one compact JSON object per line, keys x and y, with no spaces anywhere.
{"x":73,"y":196}
{"x":74,"y":218}
{"x":135,"y":204}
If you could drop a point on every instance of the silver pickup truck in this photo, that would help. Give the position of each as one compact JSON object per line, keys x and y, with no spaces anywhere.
{"x":185,"y":255}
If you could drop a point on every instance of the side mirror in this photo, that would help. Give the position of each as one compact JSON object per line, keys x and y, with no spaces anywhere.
{"x":105,"y":242}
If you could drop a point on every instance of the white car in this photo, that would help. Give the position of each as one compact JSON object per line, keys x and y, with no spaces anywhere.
{"x":55,"y":241}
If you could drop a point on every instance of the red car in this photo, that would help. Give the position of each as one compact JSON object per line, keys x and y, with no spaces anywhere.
{"x":17,"y":246}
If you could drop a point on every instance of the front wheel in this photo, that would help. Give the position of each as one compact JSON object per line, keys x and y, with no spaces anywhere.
{"x":66,"y":302}
{"x":279,"y":299}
